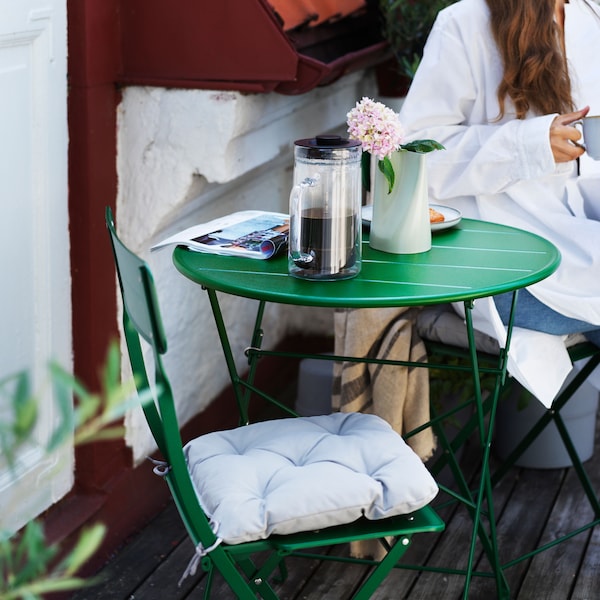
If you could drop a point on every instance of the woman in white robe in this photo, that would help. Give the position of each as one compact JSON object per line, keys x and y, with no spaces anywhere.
{"x":523,"y":172}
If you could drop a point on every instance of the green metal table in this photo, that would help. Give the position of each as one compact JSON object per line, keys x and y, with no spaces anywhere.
{"x":474,"y":259}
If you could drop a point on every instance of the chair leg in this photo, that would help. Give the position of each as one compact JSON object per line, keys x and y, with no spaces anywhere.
{"x":381,"y":571}
{"x":553,"y":415}
{"x":227,"y":567}
{"x":258,"y":578}
{"x":210,"y":571}
{"x":577,"y":464}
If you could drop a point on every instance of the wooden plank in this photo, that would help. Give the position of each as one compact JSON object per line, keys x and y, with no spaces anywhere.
{"x":426,"y":546}
{"x":138,"y":558}
{"x":555,"y":570}
{"x":587,"y":582}
{"x":451,"y":551}
{"x":334,"y":580}
{"x":518,"y":526}
{"x":163,"y":581}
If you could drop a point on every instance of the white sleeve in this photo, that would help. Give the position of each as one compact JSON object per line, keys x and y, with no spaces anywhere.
{"x":453,"y":100}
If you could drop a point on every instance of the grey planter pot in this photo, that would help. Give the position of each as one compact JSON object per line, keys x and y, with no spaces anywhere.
{"x":315,"y":378}
{"x":547,"y":451}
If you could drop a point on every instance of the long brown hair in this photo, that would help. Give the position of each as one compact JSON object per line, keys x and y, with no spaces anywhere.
{"x":535,"y":68}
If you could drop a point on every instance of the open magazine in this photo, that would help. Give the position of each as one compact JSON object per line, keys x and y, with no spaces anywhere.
{"x":252,"y":233}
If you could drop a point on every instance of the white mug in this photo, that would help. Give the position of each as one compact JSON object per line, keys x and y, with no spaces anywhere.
{"x":591,"y":136}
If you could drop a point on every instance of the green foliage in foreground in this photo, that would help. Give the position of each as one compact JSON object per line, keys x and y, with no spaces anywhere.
{"x":26,"y":559}
{"x":30,"y":568}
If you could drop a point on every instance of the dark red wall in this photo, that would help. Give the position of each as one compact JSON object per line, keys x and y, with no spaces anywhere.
{"x":105,"y":483}
{"x":93,"y":98}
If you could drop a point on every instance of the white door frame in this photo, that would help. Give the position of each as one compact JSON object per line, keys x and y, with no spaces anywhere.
{"x":35,"y":304}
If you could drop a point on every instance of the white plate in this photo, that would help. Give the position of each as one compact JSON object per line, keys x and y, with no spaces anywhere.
{"x":452,"y":216}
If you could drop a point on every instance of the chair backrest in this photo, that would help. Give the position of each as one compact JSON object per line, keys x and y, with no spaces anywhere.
{"x":142,"y":320}
{"x":137,"y":287}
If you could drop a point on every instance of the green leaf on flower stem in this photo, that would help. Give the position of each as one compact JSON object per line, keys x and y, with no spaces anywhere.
{"x":386,"y":167}
{"x":422,"y":146}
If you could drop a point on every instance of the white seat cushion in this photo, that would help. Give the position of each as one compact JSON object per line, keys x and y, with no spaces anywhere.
{"x":305,"y":473}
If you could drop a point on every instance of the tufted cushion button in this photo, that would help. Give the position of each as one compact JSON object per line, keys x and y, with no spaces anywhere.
{"x":305,"y":473}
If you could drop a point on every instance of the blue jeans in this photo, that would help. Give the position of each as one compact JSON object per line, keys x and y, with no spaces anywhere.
{"x":533,"y":314}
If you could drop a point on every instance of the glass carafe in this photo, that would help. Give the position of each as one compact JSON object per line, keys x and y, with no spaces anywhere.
{"x":325,"y":205}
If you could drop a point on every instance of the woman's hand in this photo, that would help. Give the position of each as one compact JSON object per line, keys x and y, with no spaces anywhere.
{"x":564,"y":136}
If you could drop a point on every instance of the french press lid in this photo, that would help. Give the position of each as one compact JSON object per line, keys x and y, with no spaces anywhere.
{"x":328,"y":147}
{"x":327,"y":141}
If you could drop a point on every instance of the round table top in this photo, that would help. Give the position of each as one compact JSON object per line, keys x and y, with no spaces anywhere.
{"x":472,"y":260}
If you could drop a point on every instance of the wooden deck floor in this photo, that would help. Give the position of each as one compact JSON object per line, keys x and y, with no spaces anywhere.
{"x":533,"y":507}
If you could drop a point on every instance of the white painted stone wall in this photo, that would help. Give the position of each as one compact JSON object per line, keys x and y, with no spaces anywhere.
{"x":187,"y":156}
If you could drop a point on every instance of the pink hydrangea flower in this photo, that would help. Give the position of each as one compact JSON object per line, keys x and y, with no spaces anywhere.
{"x":379,"y":130}
{"x":376,"y":126}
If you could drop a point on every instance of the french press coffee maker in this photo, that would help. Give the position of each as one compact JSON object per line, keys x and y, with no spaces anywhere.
{"x":325,"y":205}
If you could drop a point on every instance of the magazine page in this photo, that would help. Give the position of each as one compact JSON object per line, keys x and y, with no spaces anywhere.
{"x":252,"y":233}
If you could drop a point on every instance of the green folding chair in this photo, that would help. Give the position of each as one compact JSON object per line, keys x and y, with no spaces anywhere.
{"x":444,"y":335}
{"x":275,"y":488}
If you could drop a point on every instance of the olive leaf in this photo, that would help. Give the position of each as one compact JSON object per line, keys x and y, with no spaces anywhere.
{"x":15,"y":393}
{"x":28,"y":562}
{"x":88,"y":543}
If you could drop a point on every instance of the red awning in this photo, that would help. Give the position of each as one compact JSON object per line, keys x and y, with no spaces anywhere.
{"x":244,"y":45}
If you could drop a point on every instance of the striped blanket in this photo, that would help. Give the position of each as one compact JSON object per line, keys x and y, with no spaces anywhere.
{"x":400,"y":395}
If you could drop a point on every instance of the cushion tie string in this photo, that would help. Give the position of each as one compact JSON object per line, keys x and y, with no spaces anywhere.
{"x":161,"y":468}
{"x":199,"y":553}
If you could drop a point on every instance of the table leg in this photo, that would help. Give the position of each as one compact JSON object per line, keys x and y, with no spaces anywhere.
{"x":484,"y":492}
{"x":243,"y":387}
